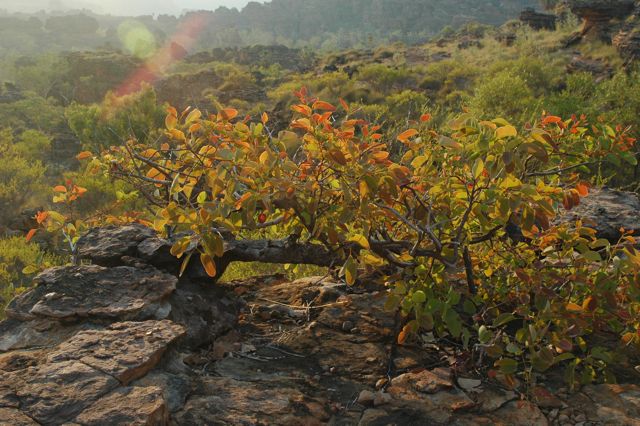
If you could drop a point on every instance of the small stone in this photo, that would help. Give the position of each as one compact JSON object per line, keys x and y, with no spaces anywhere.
{"x":470,"y":385}
{"x":563,"y":418}
{"x":371,"y":359}
{"x":332,"y":370}
{"x":580,"y":418}
{"x":553,"y":413}
{"x":347,"y":326}
{"x":366,"y":397}
{"x":381,"y":398}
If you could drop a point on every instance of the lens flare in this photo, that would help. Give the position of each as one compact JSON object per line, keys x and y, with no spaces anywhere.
{"x":175,"y":49}
{"x":137,"y":39}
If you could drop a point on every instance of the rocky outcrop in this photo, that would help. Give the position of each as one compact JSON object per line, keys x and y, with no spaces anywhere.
{"x":124,"y":341}
{"x":601,"y":17}
{"x":598,"y":68}
{"x":537,"y":20}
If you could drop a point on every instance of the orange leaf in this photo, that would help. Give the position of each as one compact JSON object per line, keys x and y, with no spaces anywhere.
{"x":551,"y":119}
{"x":31,"y":234}
{"x":209,"y":264}
{"x":229,"y":114}
{"x":425,"y":117}
{"x":583,"y":189}
{"x":265,"y":118}
{"x":573,"y":307}
{"x":344,"y":104}
{"x":302,"y":109}
{"x":59,"y":188}
{"x":83,"y":155}
{"x":404,"y":136}
{"x":324,"y":106}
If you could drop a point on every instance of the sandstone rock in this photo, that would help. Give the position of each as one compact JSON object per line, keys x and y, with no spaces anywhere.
{"x":13,"y":417}
{"x":16,"y":334}
{"x":175,"y":388}
{"x":125,"y":351}
{"x":72,"y":293}
{"x":106,"y":246}
{"x":606,"y":210}
{"x":54,"y":393}
{"x":598,"y":14}
{"x":519,"y":413}
{"x":366,"y":397}
{"x":231,"y":402}
{"x":613,"y":404}
{"x":597,"y":68}
{"x":127,"y":406}
{"x":425,"y":381}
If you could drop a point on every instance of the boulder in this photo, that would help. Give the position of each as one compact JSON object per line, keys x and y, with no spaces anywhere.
{"x":598,"y":16}
{"x":606,"y":211}
{"x":94,"y":292}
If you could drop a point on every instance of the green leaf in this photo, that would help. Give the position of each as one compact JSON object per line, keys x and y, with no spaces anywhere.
{"x":507,"y":365}
{"x":478,"y":168}
{"x":484,"y":334}
{"x":453,"y":322}
{"x":350,"y":270}
{"x":419,"y":297}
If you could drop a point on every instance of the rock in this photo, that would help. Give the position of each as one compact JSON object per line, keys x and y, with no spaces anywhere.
{"x":175,"y":388}
{"x":125,"y":351}
{"x":606,"y":210}
{"x":106,"y":246}
{"x":470,"y":385}
{"x":598,"y":14}
{"x":54,"y":393}
{"x":13,"y":417}
{"x":425,"y":381}
{"x":545,"y":399}
{"x":595,"y":67}
{"x":381,"y":398}
{"x":520,"y":413}
{"x":232,"y":402}
{"x":366,"y":397}
{"x":78,"y":292}
{"x":127,"y":406}
{"x":490,"y":400}
{"x":613,"y":404}
{"x":538,"y":21}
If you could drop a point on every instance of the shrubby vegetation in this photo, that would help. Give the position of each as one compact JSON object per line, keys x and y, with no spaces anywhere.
{"x":474,"y":138}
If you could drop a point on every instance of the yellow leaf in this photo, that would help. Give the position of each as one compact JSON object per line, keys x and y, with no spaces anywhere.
{"x":350,"y":270}
{"x":209,"y":264}
{"x":170,"y":121}
{"x":265,"y":118}
{"x":506,"y":131}
{"x":193,"y":116}
{"x":361,"y":240}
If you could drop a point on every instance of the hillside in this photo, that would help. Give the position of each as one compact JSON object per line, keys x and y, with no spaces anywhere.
{"x":312,"y":23}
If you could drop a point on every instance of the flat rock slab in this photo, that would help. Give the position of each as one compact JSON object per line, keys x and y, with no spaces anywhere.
{"x":132,"y":406}
{"x":126,"y":351}
{"x":13,"y":417}
{"x":606,"y":211}
{"x":106,"y":246}
{"x":76,"y":292}
{"x":55,"y":393}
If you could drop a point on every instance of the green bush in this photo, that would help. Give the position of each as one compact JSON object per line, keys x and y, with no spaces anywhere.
{"x":19,"y":261}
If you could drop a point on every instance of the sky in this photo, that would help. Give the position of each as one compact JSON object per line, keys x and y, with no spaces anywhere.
{"x":120,"y":7}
